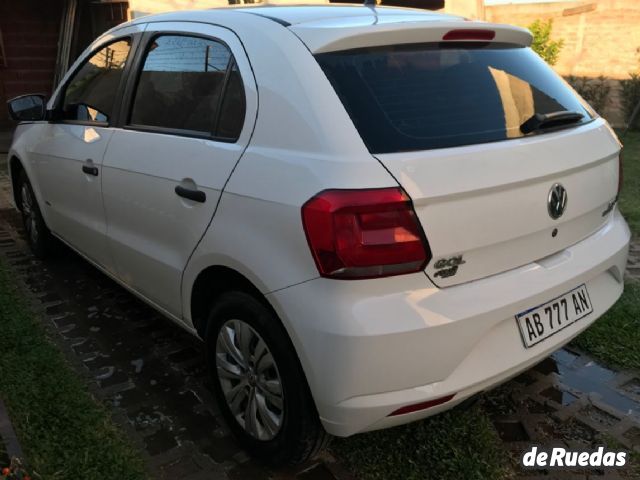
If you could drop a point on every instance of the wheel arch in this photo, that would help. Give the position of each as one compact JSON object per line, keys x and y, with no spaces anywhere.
{"x":18,"y":165}
{"x":15,"y":168}
{"x":209,"y":284}
{"x":214,"y":281}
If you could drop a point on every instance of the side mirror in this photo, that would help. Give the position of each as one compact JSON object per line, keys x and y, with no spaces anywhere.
{"x":27,"y":108}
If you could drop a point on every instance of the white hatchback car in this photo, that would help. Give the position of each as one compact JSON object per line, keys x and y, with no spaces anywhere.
{"x":368,"y":214}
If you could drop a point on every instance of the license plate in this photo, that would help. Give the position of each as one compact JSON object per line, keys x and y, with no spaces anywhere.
{"x":539,"y":323}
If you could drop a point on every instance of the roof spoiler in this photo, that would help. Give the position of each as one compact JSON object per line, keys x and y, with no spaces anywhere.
{"x":324,"y":36}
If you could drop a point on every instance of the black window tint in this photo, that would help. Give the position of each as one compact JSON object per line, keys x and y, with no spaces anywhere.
{"x":419,"y":97}
{"x":180,"y":84}
{"x":90,"y":94}
{"x":233,"y":107}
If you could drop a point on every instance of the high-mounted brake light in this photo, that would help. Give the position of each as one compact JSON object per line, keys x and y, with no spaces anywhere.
{"x":364,"y":233}
{"x":469,"y":34}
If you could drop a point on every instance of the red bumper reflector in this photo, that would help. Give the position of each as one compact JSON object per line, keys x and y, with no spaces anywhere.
{"x":469,"y":34}
{"x":421,"y":406}
{"x":620,"y":173}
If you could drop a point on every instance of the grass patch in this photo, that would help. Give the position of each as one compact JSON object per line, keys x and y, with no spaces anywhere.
{"x":632,"y":467}
{"x":630,"y":195}
{"x":615,"y":337}
{"x":64,"y":432}
{"x":4,"y":456}
{"x":453,"y":445}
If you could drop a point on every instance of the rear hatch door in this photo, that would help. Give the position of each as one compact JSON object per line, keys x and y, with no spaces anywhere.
{"x":468,"y":130}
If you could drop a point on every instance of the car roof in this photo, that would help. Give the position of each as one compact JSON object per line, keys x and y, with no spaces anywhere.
{"x":331,"y":27}
{"x":297,"y":14}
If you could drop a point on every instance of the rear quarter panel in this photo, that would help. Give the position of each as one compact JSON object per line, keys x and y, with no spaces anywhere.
{"x":303,"y":143}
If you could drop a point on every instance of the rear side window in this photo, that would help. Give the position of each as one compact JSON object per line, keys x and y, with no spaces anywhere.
{"x":426,"y":96}
{"x":233,"y":106}
{"x":91,"y":92}
{"x":182,"y":87}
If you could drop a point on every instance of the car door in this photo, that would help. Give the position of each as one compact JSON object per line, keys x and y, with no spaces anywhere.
{"x":69,"y":153}
{"x":188,"y":117}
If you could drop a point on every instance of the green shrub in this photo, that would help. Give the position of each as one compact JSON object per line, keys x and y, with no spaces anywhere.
{"x":542,"y":44}
{"x":631,"y":98}
{"x":593,"y":90}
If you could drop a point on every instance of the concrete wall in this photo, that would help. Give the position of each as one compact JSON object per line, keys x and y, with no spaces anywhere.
{"x":139,"y":8}
{"x":467,"y":8}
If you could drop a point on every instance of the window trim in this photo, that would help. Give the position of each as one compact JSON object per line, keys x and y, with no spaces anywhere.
{"x":58,"y":105}
{"x":132,"y":89}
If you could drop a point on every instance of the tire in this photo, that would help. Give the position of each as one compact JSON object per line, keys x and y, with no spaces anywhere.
{"x":36,"y":232}
{"x":285,"y":428}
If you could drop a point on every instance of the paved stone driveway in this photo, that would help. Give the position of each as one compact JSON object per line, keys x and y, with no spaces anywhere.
{"x":151,"y":373}
{"x":633,"y":266}
{"x":568,"y":401}
{"x":149,"y":370}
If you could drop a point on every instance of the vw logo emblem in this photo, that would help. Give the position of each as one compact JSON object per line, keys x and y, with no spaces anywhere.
{"x":557,"y":201}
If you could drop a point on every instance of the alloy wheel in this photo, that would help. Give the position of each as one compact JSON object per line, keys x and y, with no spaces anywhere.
{"x":29,"y":214}
{"x":250,"y":380}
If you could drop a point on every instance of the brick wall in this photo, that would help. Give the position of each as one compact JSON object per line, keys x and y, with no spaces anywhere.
{"x":30,"y":32}
{"x":601,"y":37}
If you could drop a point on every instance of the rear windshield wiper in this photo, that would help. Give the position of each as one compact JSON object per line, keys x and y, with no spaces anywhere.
{"x":540,"y":121}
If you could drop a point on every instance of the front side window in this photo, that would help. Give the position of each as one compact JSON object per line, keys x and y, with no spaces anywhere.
{"x":182,"y":87}
{"x":436,"y":95}
{"x":91,"y":93}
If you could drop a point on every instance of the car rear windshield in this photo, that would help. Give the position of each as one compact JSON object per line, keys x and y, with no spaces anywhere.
{"x":437,"y":95}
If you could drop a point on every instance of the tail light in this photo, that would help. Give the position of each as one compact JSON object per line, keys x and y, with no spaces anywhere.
{"x":364,"y":233}
{"x":620,"y":173}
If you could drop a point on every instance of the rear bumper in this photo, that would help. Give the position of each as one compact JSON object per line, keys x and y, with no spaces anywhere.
{"x":370,"y":347}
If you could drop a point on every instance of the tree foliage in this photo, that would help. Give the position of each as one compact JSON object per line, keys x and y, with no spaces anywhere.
{"x":631,"y":98}
{"x":594,"y":90}
{"x":542,"y":44}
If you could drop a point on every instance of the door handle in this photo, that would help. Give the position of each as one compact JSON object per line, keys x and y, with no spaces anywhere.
{"x":90,"y":170}
{"x":195,"y":195}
